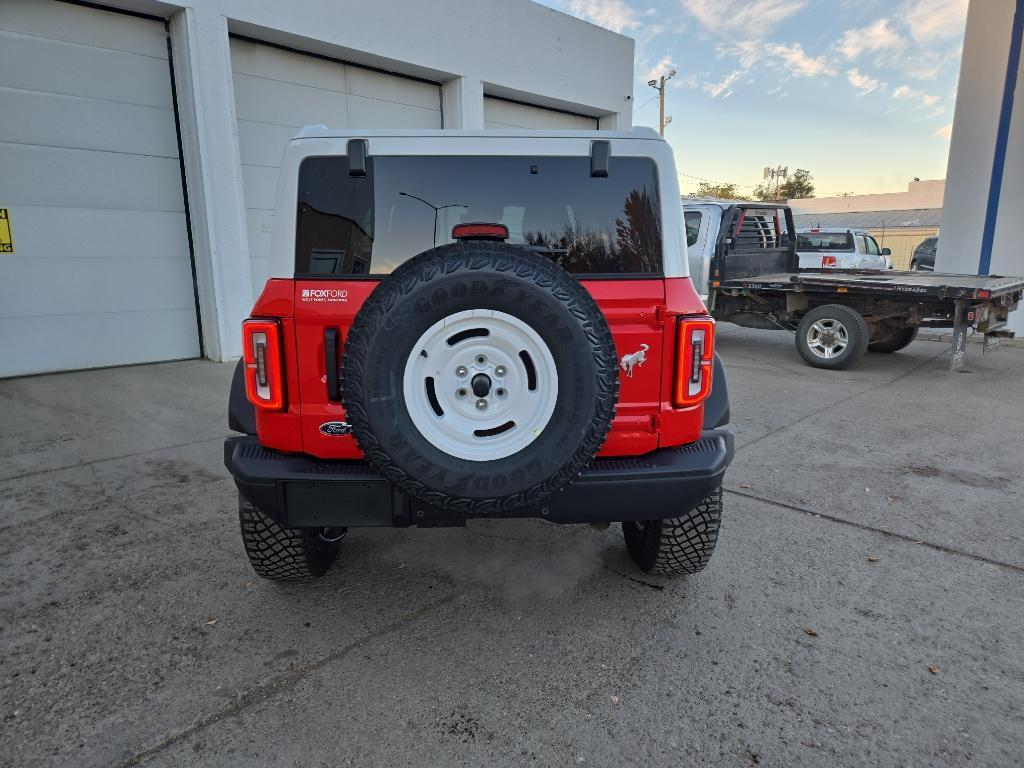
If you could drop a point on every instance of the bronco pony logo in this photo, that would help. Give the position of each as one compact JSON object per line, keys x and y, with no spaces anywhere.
{"x":634,"y":359}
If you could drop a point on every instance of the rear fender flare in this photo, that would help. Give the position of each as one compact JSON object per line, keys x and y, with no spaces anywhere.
{"x":716,"y":407}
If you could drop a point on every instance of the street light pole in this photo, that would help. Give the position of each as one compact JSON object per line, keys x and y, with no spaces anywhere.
{"x":659,"y":86}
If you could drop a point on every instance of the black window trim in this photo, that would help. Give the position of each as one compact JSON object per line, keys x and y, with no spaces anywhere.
{"x":659,"y":275}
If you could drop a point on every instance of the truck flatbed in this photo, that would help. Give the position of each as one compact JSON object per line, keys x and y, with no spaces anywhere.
{"x":938,"y":285}
{"x":836,"y":315}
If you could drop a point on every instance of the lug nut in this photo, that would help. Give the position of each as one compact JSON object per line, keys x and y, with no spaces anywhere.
{"x":481,"y":404}
{"x":500,"y":370}
{"x":461,"y":371}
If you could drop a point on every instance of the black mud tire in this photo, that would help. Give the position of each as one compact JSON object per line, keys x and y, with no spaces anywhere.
{"x":279,"y":553}
{"x":901,"y":339}
{"x":857,"y":333}
{"x":479,"y":275}
{"x":675,"y":546}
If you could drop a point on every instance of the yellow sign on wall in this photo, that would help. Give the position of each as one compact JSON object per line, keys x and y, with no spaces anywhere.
{"x":6,"y":238}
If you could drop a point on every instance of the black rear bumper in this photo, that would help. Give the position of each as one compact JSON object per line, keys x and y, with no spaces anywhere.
{"x":298,"y":490}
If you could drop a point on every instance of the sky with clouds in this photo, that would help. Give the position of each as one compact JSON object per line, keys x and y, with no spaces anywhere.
{"x":860,"y":92}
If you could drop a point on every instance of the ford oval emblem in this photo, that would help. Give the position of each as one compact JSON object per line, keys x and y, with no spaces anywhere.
{"x":335,"y":428}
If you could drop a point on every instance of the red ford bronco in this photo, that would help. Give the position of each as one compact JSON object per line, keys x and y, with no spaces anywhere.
{"x":462,"y":325}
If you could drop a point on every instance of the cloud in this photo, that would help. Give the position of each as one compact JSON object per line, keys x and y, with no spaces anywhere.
{"x":615,"y":15}
{"x":874,"y":38}
{"x":863,"y":83}
{"x":743,"y":18}
{"x":945,"y":132}
{"x":792,"y":57}
{"x":663,"y":67}
{"x":932,"y":20}
{"x":906,"y":93}
{"x":723,"y":88}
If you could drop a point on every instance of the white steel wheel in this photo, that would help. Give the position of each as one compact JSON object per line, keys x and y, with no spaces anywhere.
{"x":827,"y":338}
{"x":480,"y":385}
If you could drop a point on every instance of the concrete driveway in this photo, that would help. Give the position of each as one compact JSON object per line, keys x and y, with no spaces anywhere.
{"x":865,"y":605}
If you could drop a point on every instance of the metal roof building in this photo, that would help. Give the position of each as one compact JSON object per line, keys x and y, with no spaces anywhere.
{"x":916,"y":218}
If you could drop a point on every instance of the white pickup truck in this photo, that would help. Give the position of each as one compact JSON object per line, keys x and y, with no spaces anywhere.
{"x":839,"y":248}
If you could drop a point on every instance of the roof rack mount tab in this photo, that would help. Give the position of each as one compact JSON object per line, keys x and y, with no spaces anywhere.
{"x":600,"y":151}
{"x":357,"y":157}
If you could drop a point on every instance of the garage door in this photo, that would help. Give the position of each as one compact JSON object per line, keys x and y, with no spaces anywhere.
{"x":499,"y":113}
{"x":100,"y":272}
{"x":278,"y":91}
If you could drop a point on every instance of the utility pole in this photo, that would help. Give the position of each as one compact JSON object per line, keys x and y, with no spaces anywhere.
{"x":659,"y":86}
{"x":778,"y":175}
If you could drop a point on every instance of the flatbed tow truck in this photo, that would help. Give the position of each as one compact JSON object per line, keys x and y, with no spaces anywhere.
{"x":748,"y":254}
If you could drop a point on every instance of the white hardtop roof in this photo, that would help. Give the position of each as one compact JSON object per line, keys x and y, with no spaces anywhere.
{"x":323,"y":132}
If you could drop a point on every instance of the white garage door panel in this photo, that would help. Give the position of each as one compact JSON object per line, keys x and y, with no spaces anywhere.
{"x":70,"y":286}
{"x":58,"y":233}
{"x":278,"y":103}
{"x":78,"y":70}
{"x":374,"y":113}
{"x":277,"y":92}
{"x":77,"y":24}
{"x":101,"y":273}
{"x":400,"y":90}
{"x":508,"y":114}
{"x":91,"y":341}
{"x":88,"y":179}
{"x":263,"y":143}
{"x":29,"y":117}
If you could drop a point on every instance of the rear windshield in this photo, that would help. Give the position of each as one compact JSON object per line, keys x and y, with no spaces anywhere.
{"x":824,"y":241}
{"x":368,"y":225}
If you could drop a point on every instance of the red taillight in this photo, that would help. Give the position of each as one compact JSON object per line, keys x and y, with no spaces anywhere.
{"x":984,"y":293}
{"x":828,"y":261}
{"x":490,"y":231}
{"x":264,"y":380}
{"x":695,"y":354}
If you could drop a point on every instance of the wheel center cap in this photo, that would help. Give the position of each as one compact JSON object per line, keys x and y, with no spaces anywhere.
{"x":481,"y":385}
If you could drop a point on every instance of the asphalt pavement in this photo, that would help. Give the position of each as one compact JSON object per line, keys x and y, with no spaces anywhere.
{"x":865,"y":605}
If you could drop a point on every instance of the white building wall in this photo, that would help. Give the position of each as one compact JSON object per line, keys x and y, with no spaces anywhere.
{"x":987,"y":45}
{"x":919,"y":194}
{"x":510,"y":48}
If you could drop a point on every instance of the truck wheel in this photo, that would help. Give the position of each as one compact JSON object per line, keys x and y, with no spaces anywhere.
{"x":832,"y":337}
{"x":480,"y":378}
{"x":279,"y":553}
{"x":901,"y":338}
{"x":676,"y":545}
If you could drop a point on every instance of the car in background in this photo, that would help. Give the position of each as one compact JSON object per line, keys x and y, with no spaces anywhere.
{"x":924,"y":255}
{"x":839,"y":248}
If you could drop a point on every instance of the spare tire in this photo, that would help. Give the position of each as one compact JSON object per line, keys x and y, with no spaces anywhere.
{"x":480,"y":378}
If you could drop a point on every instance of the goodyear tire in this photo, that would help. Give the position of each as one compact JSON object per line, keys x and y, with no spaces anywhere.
{"x":676,"y":545}
{"x":480,"y":378}
{"x":279,"y":553}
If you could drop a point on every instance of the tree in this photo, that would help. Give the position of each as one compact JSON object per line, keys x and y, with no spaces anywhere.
{"x":798,"y":186}
{"x":723,"y":191}
{"x":765,"y":192}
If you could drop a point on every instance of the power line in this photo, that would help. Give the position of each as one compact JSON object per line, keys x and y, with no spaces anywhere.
{"x":645,"y":103}
{"x":712,"y":181}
